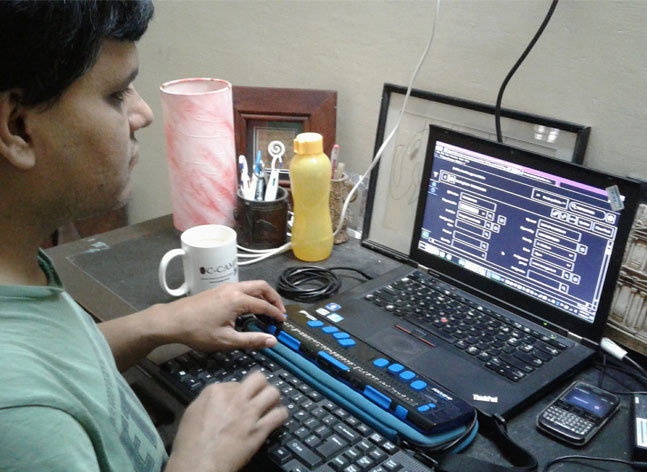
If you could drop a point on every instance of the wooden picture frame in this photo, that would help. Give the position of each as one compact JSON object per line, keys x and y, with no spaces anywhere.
{"x":264,"y":114}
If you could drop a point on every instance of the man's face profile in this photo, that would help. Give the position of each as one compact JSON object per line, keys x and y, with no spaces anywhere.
{"x":85,"y":144}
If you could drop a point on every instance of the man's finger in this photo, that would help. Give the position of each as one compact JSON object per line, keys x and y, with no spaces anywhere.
{"x":250,"y":340}
{"x":260,"y":288}
{"x":259,"y":306}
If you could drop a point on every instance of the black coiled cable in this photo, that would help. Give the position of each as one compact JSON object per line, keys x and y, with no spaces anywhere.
{"x":311,"y":283}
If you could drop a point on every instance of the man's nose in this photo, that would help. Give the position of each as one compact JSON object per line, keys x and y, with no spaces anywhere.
{"x":141,"y":114}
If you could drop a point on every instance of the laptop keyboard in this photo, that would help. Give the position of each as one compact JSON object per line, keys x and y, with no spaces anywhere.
{"x":501,"y":344}
{"x":320,"y":435}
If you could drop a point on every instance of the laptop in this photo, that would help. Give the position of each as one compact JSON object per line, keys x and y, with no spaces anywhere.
{"x":512,"y":268}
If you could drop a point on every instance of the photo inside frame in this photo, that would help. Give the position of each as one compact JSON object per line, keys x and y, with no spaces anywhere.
{"x":261,"y":133}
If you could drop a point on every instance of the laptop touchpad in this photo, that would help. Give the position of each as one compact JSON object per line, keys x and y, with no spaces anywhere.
{"x":396,"y":343}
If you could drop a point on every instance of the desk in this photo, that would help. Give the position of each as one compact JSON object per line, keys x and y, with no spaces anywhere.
{"x":115,"y":273}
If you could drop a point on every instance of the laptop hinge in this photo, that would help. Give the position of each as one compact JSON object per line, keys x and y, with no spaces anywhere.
{"x":575,"y":337}
{"x":585,"y":341}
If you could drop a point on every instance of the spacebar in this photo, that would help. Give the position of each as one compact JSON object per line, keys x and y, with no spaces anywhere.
{"x":432,"y":329}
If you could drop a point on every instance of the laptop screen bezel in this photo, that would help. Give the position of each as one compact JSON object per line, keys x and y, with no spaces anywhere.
{"x":518,"y":302}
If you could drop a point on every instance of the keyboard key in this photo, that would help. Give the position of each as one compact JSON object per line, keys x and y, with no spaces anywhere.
{"x":331,"y":446}
{"x":377,"y":455}
{"x":322,"y":431}
{"x":303,"y":453}
{"x":364,"y":462}
{"x":543,"y":356}
{"x":339,"y":463}
{"x":364,"y":430}
{"x":391,"y":465}
{"x":312,"y":441}
{"x":353,"y":468}
{"x":352,"y":455}
{"x":346,"y":432}
{"x":389,"y":447}
{"x":280,"y":455}
{"x":364,"y":446}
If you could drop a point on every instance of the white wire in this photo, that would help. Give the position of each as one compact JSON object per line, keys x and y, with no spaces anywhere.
{"x":378,"y":155}
{"x":254,"y":251}
{"x":279,"y":250}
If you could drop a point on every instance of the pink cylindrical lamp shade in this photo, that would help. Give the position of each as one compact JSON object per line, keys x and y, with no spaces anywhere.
{"x":200,"y":150}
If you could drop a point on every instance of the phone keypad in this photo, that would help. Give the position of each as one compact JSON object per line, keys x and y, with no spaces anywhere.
{"x":568,"y":420}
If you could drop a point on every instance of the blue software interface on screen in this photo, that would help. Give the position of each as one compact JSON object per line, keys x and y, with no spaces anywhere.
{"x":545,"y":236}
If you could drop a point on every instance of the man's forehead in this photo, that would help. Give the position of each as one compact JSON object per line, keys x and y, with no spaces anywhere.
{"x":117,"y":64}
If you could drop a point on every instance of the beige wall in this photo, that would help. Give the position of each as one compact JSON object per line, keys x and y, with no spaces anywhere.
{"x":589,"y":67}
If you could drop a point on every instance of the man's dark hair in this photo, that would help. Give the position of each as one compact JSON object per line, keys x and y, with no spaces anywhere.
{"x":46,"y":45}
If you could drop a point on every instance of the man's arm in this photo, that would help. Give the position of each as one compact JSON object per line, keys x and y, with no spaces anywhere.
{"x":44,"y":438}
{"x":204,"y":322}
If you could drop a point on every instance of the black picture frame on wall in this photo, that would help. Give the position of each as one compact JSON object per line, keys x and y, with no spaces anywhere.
{"x":395,"y":182}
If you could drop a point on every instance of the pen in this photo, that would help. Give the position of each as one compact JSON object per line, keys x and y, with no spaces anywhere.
{"x":252,"y":188}
{"x":340,"y":170}
{"x":334,"y":155}
{"x":259,"y":187}
{"x":244,"y":176}
{"x":272,"y":186}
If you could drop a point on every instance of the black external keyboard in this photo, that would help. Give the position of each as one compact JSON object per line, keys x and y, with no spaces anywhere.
{"x":503,"y":345}
{"x":319,"y":436}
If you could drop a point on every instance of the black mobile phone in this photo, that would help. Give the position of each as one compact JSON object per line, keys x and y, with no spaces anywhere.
{"x":578,"y":413}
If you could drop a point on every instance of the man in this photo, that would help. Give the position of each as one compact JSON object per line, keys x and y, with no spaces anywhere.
{"x":68,"y":117}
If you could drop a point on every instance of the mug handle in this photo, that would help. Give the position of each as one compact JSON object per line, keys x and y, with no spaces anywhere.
{"x":174,"y":292}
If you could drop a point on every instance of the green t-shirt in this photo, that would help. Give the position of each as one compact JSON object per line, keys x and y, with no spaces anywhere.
{"x":64,"y":406}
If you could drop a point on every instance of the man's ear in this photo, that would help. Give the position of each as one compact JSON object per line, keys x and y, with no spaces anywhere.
{"x":14,"y":141}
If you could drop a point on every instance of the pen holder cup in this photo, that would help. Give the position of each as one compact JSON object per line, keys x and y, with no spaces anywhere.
{"x":339,"y":190}
{"x":262,"y":224}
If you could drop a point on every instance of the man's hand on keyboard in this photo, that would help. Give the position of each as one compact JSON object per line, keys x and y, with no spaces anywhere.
{"x":206,"y":321}
{"x":226,"y":424}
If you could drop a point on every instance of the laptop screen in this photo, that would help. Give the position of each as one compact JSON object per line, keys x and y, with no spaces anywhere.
{"x":543,"y":232}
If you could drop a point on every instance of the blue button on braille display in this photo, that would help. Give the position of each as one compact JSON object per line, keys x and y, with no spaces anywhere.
{"x":401,"y":412}
{"x":315,"y":323}
{"x":346,"y":342}
{"x":340,"y":365}
{"x":289,"y":341}
{"x":423,"y":408}
{"x":381,"y":362}
{"x":341,"y":335}
{"x":377,"y":397}
{"x":418,"y":385}
{"x":407,"y":375}
{"x":330,"y":329}
{"x":432,"y":405}
{"x":395,"y":368}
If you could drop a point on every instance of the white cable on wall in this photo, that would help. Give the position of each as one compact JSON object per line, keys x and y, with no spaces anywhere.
{"x":378,"y":155}
{"x":265,"y":253}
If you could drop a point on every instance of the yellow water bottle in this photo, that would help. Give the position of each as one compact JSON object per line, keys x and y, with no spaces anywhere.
{"x":310,"y":172}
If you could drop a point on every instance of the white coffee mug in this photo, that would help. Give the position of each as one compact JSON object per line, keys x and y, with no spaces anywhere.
{"x":209,"y":258}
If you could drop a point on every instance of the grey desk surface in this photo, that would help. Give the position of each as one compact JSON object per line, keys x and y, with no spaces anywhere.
{"x":115,"y":274}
